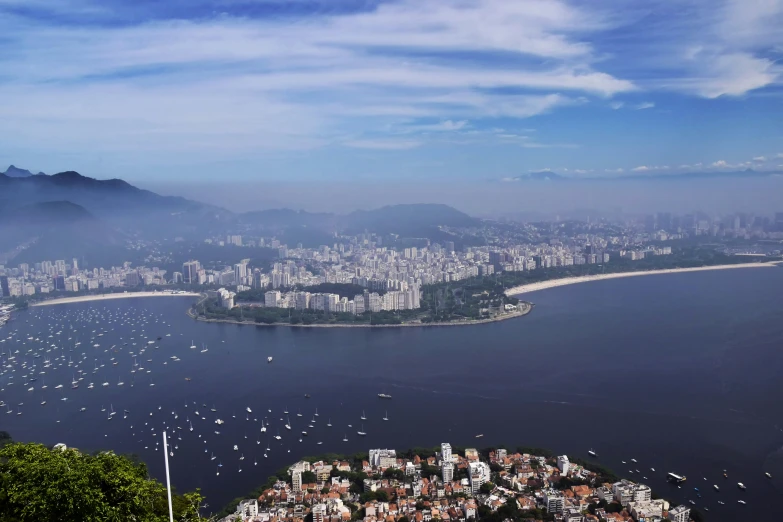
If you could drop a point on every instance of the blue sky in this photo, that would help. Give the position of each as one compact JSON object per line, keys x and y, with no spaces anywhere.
{"x":472,"y":90}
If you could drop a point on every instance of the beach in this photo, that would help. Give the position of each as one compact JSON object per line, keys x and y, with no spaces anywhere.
{"x":552,"y":283}
{"x":101,"y":297}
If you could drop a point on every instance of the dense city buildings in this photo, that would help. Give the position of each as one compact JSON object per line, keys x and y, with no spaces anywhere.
{"x":494,"y":484}
{"x":392,"y":277}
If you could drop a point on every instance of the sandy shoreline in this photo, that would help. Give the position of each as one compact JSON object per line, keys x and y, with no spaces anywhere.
{"x":543,"y":285}
{"x":101,"y":297}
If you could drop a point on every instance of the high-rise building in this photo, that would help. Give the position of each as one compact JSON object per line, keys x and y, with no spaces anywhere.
{"x":563,"y":464}
{"x":58,"y":282}
{"x":445,"y":452}
{"x":5,"y":291}
{"x":680,"y":514}
{"x":319,"y":512}
{"x":190,"y":271}
{"x":132,"y":279}
{"x":296,"y":481}
{"x":478,"y":475}
{"x":448,"y":472}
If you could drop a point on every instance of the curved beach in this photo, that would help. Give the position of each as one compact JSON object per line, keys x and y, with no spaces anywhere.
{"x":119,"y":295}
{"x":543,"y":285}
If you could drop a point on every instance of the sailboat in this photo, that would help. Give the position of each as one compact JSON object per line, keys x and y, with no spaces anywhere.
{"x":386,"y":416}
{"x":363,"y":417}
{"x":288,"y":423}
{"x":362,"y":432}
{"x":345,"y":437}
{"x":316,"y":413}
{"x":263,"y":427}
{"x":191,"y":425}
{"x":329,"y":423}
{"x":119,"y":382}
{"x":192,"y":345}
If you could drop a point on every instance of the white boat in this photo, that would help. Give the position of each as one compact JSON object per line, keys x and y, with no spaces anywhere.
{"x":384,"y":396}
{"x":594,"y":454}
{"x":249,"y":410}
{"x":192,"y":346}
{"x":361,"y":432}
{"x":741,"y":486}
{"x":269,"y":359}
{"x":363,"y":417}
{"x":236,"y":448}
{"x":386,"y":416}
{"x":716,"y":487}
{"x":741,"y":502}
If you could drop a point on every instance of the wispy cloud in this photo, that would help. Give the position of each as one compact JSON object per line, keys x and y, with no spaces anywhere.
{"x":230,"y":78}
{"x":381,"y":144}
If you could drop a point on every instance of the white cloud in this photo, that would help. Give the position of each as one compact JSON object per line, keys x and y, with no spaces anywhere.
{"x":383,"y":144}
{"x":760,"y":159}
{"x":616,"y":105}
{"x":779,"y":155}
{"x":641,"y":168}
{"x":644,"y":105}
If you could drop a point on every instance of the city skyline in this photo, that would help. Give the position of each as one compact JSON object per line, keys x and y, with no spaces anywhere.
{"x":374,"y":91}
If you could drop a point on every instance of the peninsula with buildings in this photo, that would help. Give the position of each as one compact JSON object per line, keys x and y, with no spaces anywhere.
{"x":452,"y":485}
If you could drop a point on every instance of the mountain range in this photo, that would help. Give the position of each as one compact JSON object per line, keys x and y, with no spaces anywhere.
{"x":60,"y":214}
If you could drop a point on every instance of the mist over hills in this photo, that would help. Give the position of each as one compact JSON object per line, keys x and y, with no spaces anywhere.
{"x":65,"y":214}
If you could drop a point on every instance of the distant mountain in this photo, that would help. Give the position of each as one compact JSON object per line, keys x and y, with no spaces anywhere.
{"x":312,"y":229}
{"x":409,"y":220}
{"x":285,"y":217}
{"x":14,"y":172}
{"x":551,"y":176}
{"x":115,"y":201}
{"x":45,"y":213}
{"x":55,"y":230}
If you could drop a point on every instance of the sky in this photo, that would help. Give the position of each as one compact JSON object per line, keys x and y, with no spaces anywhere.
{"x":399,"y":92}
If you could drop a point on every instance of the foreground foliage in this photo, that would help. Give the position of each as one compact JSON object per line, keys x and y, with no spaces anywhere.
{"x":38,"y":483}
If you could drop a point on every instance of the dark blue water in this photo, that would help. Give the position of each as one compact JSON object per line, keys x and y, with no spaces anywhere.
{"x":681,"y":372}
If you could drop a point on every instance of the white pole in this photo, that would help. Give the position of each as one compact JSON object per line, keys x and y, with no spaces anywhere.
{"x":168,"y":480}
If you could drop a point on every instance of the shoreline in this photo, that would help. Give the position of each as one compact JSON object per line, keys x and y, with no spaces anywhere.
{"x":504,"y":317}
{"x":102,"y":297}
{"x":553,"y":283}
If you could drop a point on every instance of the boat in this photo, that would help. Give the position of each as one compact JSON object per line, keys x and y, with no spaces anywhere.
{"x":361,"y":432}
{"x":767,"y":475}
{"x":386,"y":416}
{"x":479,"y":435}
{"x":329,"y":423}
{"x":677,"y":479}
{"x":345,"y":438}
{"x":236,"y":448}
{"x":741,"y":486}
{"x":249,"y":410}
{"x":363,"y":417}
{"x":741,"y":502}
{"x":269,"y":359}
{"x":384,"y":396}
{"x":592,"y":453}
{"x":307,"y":395}
{"x":715,"y":486}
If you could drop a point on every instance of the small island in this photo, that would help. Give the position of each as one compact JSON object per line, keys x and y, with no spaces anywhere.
{"x":451,"y":484}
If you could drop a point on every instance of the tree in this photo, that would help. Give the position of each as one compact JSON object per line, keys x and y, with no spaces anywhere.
{"x":308,"y":477}
{"x":37,"y":483}
{"x":487,"y":488}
